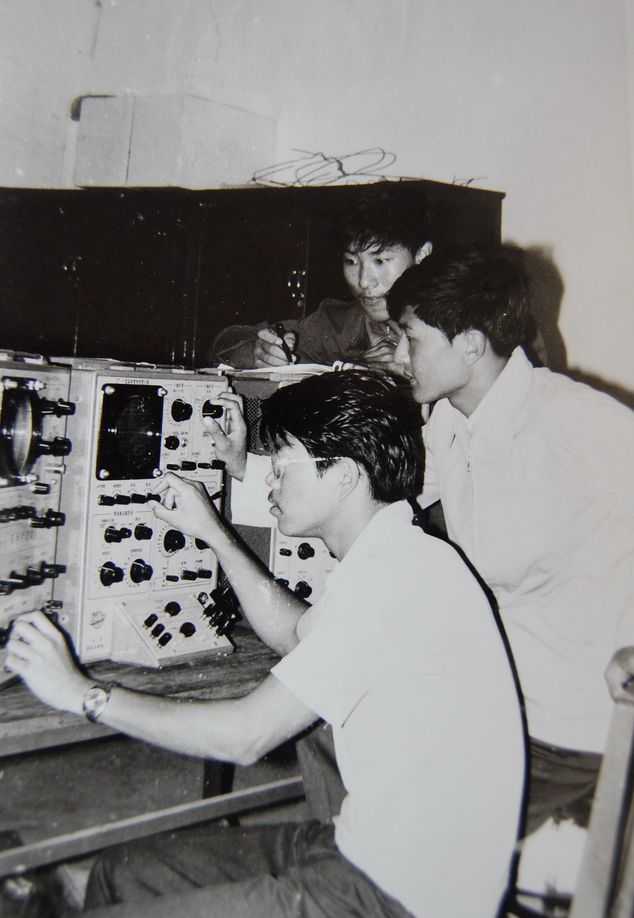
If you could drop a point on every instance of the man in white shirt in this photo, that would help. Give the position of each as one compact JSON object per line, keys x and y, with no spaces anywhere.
{"x":534,"y":472}
{"x":402,"y":655}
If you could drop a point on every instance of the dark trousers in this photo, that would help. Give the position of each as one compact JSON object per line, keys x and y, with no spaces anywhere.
{"x":287,"y":870}
{"x":561,"y":784}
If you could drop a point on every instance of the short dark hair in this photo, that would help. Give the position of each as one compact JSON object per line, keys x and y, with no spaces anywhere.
{"x":486,"y":289}
{"x":386,"y":218}
{"x":361,"y":414}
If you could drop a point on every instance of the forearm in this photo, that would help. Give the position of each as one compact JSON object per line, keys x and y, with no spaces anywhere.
{"x":208,"y":729}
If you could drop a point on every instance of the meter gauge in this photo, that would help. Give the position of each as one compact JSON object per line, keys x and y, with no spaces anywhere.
{"x":20,"y":429}
{"x":21,"y":441}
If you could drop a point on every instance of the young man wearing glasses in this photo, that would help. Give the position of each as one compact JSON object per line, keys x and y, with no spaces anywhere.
{"x":402,"y":655}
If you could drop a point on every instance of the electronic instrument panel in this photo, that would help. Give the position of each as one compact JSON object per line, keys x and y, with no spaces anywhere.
{"x":139,"y":591}
{"x":34,"y":409}
{"x":82,"y":445}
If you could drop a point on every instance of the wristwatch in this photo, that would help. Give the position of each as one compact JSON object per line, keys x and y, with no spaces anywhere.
{"x":95,"y":700}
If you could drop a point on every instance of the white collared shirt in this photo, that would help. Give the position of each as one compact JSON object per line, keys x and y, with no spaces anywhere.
{"x":403,"y":656}
{"x":537,"y":489}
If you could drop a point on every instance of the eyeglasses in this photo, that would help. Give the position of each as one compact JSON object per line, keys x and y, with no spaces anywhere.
{"x":278,"y":466}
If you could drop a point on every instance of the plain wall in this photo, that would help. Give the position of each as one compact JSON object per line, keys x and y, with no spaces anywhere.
{"x":525,"y":96}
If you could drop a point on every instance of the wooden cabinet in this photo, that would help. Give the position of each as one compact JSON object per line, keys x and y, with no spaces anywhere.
{"x":154,"y":274}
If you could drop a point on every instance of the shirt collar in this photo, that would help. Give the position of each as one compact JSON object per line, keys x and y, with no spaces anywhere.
{"x":376,"y":535}
{"x":498,"y":415}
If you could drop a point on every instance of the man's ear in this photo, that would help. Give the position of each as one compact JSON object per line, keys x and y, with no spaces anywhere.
{"x":423,"y":252}
{"x":474,"y":345}
{"x":349,"y":476}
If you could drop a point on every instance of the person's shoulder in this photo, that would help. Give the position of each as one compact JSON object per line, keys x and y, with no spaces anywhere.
{"x":560,"y":395}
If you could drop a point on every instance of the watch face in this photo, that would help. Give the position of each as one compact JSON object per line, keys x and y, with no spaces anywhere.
{"x":95,"y":701}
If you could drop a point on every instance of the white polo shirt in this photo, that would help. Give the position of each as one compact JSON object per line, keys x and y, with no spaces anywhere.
{"x":402,"y":655}
{"x":537,"y":488}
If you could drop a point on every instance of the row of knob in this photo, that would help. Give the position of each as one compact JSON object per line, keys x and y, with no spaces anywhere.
{"x":49,"y":520}
{"x":182,"y":410}
{"x":32,"y":576}
{"x":173,"y":540}
{"x":140,"y":571}
{"x":304,"y":551}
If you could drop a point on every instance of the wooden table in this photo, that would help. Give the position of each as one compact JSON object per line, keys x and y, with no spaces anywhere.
{"x":28,"y":727}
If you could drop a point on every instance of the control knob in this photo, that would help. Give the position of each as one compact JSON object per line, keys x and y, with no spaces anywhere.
{"x":51,"y":519}
{"x":303,"y":589}
{"x":58,"y":446}
{"x":110,"y":574}
{"x":58,"y":408}
{"x":305,"y":550}
{"x":181,"y":411}
{"x":140,"y":571}
{"x":173,"y":540}
{"x":211,"y":411}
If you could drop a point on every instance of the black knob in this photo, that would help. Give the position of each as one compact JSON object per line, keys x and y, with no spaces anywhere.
{"x":200,"y":544}
{"x":112,"y":534}
{"x":303,"y":589}
{"x":172,"y":608}
{"x":188,"y":629}
{"x":181,"y":411}
{"x":34,"y":576}
{"x":173,"y":540}
{"x":212,"y":411}
{"x":142,"y":532}
{"x":151,"y":620}
{"x":110,"y":574}
{"x":58,"y":408}
{"x":138,"y":498}
{"x":204,"y":573}
{"x":40,"y":487}
{"x":158,"y":629}
{"x":59,"y":446}
{"x":188,"y":575}
{"x":106,"y":500}
{"x":305,"y":550}
{"x":165,"y":638}
{"x":122,"y":499}
{"x":51,"y":519}
{"x":286,"y":552}
{"x":171,"y":442}
{"x":187,"y":466}
{"x":140,"y":571}
{"x":51,"y":571}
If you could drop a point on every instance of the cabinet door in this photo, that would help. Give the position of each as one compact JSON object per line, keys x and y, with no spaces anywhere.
{"x":40,"y":259}
{"x":100,"y":272}
{"x":252,"y":259}
{"x":135,"y":287}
